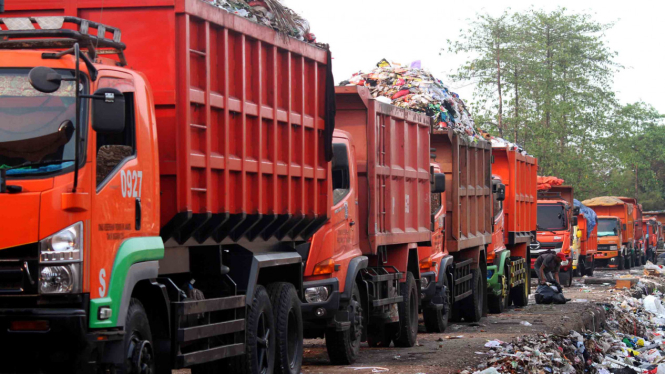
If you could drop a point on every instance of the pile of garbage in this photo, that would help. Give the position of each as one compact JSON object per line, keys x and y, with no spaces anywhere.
{"x":546,"y":183}
{"x":414,"y":88}
{"x":632,"y":340}
{"x":271,"y":13}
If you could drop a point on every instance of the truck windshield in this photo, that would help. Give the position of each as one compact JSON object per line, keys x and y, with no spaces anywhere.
{"x":608,"y":227}
{"x":551,"y":217}
{"x":36,"y":127}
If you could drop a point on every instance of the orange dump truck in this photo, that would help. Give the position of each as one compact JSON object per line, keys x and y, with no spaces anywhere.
{"x":615,"y":231}
{"x":556,"y":223}
{"x":652,"y":237}
{"x":454,"y":262}
{"x":514,"y":211}
{"x":638,"y":233}
{"x":156,"y":215}
{"x":362,"y":278}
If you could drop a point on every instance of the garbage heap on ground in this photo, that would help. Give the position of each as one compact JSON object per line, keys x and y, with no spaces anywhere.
{"x":414,"y":88}
{"x":271,"y":13}
{"x":632,"y":339}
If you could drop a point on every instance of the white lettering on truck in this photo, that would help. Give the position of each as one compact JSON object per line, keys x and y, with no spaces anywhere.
{"x":102,"y":281}
{"x":131,"y":182}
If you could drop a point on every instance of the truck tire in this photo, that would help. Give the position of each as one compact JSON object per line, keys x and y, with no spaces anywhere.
{"x":381,"y":336}
{"x":630,"y":261}
{"x":408,"y":313}
{"x":591,"y":268}
{"x":138,"y":348}
{"x":471,"y":308}
{"x":260,"y":337}
{"x":436,"y":319}
{"x":288,"y":328}
{"x":622,"y":261}
{"x":344,"y":346}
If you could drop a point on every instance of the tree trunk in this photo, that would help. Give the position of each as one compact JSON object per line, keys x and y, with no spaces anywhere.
{"x":498,"y":81}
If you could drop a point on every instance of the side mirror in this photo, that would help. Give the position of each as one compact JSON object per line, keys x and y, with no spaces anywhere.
{"x":44,"y":79}
{"x":576,"y":210}
{"x":574,"y":221}
{"x":501,"y":192}
{"x":438,"y":183}
{"x":108,"y":111}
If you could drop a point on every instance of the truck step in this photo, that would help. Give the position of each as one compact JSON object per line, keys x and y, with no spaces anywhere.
{"x":208,"y":330}
{"x":461,"y":282}
{"x":209,"y":355}
{"x":382,"y":289}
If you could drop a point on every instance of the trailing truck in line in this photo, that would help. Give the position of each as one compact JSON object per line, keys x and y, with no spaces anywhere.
{"x":556,"y":228}
{"x":616,"y":229}
{"x":514,"y":188}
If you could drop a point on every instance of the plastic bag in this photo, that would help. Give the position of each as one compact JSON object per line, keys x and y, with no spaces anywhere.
{"x":549,"y":295}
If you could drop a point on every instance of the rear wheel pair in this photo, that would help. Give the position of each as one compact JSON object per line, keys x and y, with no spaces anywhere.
{"x":405,"y":332}
{"x":273,"y":332}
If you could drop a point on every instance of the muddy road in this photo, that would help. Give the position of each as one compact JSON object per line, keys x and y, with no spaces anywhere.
{"x":463,"y":344}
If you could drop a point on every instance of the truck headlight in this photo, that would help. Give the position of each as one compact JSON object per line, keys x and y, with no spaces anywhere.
{"x":316,"y":294}
{"x":613,"y":248}
{"x":60,"y":257}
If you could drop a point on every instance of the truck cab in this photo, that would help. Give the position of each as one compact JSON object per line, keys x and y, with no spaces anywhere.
{"x":609,"y":242}
{"x":554,"y":233}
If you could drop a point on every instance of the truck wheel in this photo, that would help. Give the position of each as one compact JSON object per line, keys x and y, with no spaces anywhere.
{"x":622,"y":261}
{"x":381,"y":336}
{"x":288,"y":328}
{"x":630,"y":261}
{"x":408,"y":313}
{"x":140,"y":358}
{"x":591,"y":268}
{"x":436,"y":318}
{"x":471,"y":308}
{"x":260,"y":336}
{"x":344,"y":346}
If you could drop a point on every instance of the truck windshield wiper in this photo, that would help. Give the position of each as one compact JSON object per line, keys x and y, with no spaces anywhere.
{"x":544,"y":229}
{"x":4,"y":168}
{"x":35,"y":164}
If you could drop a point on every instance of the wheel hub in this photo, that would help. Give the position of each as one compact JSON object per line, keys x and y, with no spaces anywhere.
{"x":141,"y":356}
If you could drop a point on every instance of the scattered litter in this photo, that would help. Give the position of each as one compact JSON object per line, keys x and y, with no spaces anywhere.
{"x":375,"y":369}
{"x":493,"y":343}
{"x":454,"y":337}
{"x":525,"y":323}
{"x":631,"y":339}
{"x":396,"y":357}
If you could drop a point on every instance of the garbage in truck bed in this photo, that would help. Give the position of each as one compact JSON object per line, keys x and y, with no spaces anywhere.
{"x":546,"y":183}
{"x":414,"y":88}
{"x":589,"y":215}
{"x":271,"y":13}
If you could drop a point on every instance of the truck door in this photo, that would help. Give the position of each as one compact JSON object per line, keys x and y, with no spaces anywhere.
{"x":119,"y":182}
{"x":344,"y":214}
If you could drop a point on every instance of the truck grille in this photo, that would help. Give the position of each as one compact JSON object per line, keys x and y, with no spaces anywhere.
{"x":603,"y":247}
{"x":19,"y":270}
{"x":551,"y":245}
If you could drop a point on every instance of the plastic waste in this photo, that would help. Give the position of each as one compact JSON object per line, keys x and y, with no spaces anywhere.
{"x":653,"y":305}
{"x":491,"y":370}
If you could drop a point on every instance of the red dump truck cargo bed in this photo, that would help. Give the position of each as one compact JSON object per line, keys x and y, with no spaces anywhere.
{"x":518,"y":172}
{"x":392,"y":153}
{"x":467,"y":166}
{"x":240,"y":116}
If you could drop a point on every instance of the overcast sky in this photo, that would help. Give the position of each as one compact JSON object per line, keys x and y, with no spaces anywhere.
{"x":362,"y":32}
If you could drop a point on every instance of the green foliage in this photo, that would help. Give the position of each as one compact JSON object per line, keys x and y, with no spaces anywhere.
{"x":544,"y":80}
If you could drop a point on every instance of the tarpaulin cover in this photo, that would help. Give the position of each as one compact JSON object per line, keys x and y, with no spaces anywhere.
{"x":546,"y":183}
{"x":589,"y":215}
{"x":603,"y":201}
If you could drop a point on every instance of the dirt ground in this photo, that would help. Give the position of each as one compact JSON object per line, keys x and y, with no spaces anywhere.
{"x":463,"y":344}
